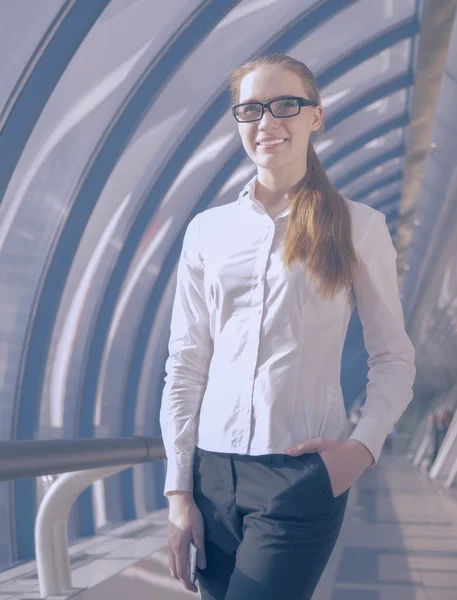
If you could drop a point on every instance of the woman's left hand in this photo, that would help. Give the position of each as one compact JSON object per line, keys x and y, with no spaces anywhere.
{"x":345,"y":461}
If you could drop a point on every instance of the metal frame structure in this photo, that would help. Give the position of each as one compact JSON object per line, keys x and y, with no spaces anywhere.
{"x":41,"y":75}
{"x":21,"y":113}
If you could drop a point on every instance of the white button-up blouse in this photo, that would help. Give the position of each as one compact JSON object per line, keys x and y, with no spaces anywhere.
{"x":255,"y":355}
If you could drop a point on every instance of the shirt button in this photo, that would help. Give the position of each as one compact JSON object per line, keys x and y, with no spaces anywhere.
{"x":259,"y":312}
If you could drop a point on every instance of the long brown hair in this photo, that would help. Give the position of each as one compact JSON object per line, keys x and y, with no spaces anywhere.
{"x":318,"y":232}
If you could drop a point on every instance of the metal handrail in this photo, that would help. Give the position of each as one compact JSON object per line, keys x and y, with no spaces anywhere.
{"x":83,"y":462}
{"x":33,"y":458}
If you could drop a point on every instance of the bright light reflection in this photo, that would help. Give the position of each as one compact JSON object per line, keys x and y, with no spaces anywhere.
{"x":205,"y":155}
{"x":323,"y":145}
{"x":67,"y":336}
{"x":240,"y":175}
{"x":328,"y":101}
{"x":243,"y":10}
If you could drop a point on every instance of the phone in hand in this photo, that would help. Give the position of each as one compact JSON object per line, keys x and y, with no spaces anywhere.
{"x":192,"y":562}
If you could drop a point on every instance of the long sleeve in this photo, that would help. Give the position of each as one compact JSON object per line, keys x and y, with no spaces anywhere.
{"x":391,"y":354}
{"x":190,"y":350}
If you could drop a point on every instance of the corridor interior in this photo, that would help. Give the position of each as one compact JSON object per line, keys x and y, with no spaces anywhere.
{"x":398,"y":542}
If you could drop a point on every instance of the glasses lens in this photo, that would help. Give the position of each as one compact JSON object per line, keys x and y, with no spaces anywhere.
{"x":287,"y":107}
{"x":248,"y":112}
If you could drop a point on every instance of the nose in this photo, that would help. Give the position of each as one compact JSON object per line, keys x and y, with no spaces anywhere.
{"x":268,"y":118}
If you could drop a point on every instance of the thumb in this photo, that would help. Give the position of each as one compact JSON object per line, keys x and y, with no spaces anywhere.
{"x":314,"y":445}
{"x":200,"y":545}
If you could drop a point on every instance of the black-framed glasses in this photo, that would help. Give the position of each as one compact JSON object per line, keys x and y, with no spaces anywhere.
{"x":282,"y":108}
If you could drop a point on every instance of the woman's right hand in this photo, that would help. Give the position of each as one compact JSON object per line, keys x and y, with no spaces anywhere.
{"x":185,"y":523}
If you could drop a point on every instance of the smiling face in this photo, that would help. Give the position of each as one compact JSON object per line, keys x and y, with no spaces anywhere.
{"x":273,"y":143}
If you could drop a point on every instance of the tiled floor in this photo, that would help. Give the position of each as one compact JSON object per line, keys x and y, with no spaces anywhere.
{"x":399,"y":542}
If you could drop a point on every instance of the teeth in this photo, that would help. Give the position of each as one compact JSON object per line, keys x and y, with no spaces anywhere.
{"x":271,"y":143}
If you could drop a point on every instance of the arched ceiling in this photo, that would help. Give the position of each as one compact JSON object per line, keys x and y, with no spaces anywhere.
{"x":116,"y":130}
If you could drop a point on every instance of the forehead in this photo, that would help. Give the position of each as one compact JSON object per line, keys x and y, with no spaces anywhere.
{"x":266,"y":83}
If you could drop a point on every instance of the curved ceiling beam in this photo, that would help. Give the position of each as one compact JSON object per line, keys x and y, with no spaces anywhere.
{"x":358,"y":197}
{"x":387,"y":202}
{"x":118,"y":134}
{"x":378,"y":92}
{"x":38,"y":80}
{"x":365,"y":138}
{"x":389,"y":37}
{"x":369,"y":166}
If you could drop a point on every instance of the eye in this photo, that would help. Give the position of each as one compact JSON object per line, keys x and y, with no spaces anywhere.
{"x":287,"y":106}
{"x":249,"y":112}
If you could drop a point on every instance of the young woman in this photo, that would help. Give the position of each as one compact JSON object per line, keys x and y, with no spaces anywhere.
{"x":260,"y":454}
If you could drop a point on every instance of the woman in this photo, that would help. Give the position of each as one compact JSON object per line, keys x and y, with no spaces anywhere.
{"x":260,"y":456}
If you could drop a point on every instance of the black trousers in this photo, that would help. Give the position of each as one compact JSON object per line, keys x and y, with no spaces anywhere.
{"x":271,"y":523}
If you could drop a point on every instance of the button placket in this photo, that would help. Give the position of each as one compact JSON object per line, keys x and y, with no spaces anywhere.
{"x":257,"y":298}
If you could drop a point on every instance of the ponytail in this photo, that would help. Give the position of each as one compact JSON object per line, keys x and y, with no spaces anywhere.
{"x":319,"y":233}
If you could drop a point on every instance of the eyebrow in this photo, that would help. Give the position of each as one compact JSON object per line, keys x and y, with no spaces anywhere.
{"x":272,"y":99}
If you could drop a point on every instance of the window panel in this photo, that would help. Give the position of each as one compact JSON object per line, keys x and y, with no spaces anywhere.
{"x":366,"y":154}
{"x":354,"y":126}
{"x":385,"y":66}
{"x":340,"y":33}
{"x":374,"y":177}
{"x":20,"y":33}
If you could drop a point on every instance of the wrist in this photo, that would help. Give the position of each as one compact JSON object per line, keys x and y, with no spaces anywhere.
{"x":362,"y":455}
{"x":179,"y":496}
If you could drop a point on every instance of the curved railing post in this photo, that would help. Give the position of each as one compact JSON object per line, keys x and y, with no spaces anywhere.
{"x":51,"y":538}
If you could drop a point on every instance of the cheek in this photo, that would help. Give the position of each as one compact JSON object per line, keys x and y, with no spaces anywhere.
{"x":300,"y":137}
{"x":248,"y":137}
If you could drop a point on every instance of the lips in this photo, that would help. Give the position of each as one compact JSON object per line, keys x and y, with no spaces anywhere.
{"x":271,"y":143}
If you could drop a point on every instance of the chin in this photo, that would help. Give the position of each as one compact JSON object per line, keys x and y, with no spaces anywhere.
{"x":270,"y":162}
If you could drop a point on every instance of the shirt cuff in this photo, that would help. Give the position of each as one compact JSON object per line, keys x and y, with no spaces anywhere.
{"x":370,"y":434}
{"x":180,"y":475}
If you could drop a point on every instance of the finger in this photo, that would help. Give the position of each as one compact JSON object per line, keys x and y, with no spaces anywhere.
{"x":172,"y":563}
{"x":199,"y":541}
{"x":182,"y":567}
{"x":314,"y":445}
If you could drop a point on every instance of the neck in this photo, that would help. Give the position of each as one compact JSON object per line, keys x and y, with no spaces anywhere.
{"x":274,"y":189}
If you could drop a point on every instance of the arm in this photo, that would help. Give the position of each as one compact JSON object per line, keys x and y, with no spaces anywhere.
{"x":391,"y":354}
{"x":190,"y":350}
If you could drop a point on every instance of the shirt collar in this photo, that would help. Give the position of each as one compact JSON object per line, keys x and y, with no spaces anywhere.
{"x":247,"y":197}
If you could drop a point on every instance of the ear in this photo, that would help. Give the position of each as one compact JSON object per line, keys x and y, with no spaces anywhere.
{"x":318,"y":118}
